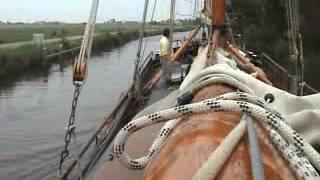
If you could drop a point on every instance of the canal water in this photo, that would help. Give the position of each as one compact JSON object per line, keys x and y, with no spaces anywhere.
{"x":34,"y":111}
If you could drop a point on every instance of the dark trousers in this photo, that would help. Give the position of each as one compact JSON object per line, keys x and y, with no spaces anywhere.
{"x":165,"y":70}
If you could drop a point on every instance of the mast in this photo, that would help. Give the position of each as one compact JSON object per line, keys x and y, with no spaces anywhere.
{"x":218,"y":13}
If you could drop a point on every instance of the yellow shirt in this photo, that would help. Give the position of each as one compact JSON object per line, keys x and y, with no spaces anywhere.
{"x":165,"y":47}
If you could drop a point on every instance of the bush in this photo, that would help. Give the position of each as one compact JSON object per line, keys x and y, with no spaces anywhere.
{"x":15,"y":60}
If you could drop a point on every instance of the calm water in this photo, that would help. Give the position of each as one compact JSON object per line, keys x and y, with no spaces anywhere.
{"x":33,"y":112}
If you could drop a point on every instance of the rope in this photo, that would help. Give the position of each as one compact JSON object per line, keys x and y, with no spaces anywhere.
{"x":267,"y":118}
{"x":229,"y":28}
{"x":256,"y":164}
{"x":136,"y":78}
{"x":84,"y":55}
{"x":214,"y":164}
{"x":146,"y":42}
{"x":86,"y":45}
{"x":295,"y":45}
{"x":289,"y":142}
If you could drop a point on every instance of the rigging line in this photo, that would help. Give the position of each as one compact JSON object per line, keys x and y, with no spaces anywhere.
{"x":147,"y":39}
{"x":295,"y":45}
{"x":172,"y":18}
{"x":86,"y":46}
{"x":136,"y":78}
{"x":190,"y":8}
{"x":142,"y":30}
{"x":288,"y":23}
{"x":195,"y":9}
{"x":191,"y":12}
{"x":83,"y":57}
{"x":229,"y":27}
{"x":292,"y":26}
{"x":180,"y":14}
{"x":93,"y":23}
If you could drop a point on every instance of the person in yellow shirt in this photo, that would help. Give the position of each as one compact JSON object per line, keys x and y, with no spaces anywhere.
{"x":165,"y":55}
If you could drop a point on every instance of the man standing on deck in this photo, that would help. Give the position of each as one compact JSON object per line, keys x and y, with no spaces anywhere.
{"x":165,"y":57}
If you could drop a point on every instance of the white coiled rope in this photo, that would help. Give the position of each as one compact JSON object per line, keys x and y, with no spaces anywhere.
{"x":290,"y":143}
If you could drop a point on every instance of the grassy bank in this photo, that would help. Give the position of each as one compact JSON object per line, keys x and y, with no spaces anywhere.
{"x":17,"y":60}
{"x":25,"y":58}
{"x":107,"y":40}
{"x":24,"y":32}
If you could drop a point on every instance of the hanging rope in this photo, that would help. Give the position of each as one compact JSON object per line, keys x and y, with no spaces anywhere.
{"x":79,"y":78}
{"x":80,"y":64}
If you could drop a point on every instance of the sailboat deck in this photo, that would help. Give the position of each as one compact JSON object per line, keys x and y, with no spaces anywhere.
{"x":137,"y":145}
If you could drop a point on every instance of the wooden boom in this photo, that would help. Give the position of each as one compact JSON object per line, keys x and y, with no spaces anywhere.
{"x":184,"y":45}
{"x":247,"y":64}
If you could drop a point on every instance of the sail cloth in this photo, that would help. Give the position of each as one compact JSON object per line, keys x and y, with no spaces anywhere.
{"x":301,"y":112}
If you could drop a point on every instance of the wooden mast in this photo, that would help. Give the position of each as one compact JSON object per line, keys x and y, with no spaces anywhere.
{"x":218,"y":13}
{"x":184,"y":45}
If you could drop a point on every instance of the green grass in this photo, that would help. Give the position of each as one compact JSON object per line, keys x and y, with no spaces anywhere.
{"x":24,"y":32}
{"x":107,"y":40}
{"x":16,"y":60}
{"x":26,"y":57}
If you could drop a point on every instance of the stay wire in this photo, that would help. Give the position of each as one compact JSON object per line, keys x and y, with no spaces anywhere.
{"x":147,"y":38}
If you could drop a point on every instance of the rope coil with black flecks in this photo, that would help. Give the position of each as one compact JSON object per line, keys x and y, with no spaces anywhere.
{"x":234,"y":102}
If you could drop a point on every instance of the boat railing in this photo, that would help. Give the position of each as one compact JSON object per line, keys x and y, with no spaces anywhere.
{"x":103,"y":136}
{"x":310,"y":90}
{"x":146,"y":62}
{"x":279,"y":76}
{"x":282,"y":78}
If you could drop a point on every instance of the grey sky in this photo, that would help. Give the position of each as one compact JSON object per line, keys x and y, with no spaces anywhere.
{"x":77,"y":10}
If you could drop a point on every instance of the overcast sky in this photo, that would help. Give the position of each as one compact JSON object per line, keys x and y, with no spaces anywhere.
{"x":77,"y":10}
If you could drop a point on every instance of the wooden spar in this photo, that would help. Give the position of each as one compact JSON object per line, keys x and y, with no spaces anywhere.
{"x":247,"y":64}
{"x":152,"y":82}
{"x":197,"y":136}
{"x":218,"y":13}
{"x":184,"y":45}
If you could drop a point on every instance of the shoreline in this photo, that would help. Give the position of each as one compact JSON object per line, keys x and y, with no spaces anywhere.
{"x":19,"y":62}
